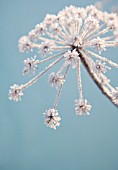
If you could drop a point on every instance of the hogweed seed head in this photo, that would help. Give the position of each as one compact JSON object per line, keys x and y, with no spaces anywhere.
{"x":75,"y":35}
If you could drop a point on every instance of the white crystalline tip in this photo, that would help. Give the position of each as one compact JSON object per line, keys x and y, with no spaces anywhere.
{"x":52,"y":118}
{"x":82,"y":107}
{"x":24,"y":44}
{"x":100,"y":67}
{"x":56,"y":79}
{"x":71,"y":57}
{"x":99,"y":44}
{"x":46,"y":47}
{"x":15,"y":92}
{"x":40,"y":30}
{"x":30,"y":65}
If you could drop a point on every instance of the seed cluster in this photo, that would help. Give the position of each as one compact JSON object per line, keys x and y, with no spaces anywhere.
{"x":76,"y":36}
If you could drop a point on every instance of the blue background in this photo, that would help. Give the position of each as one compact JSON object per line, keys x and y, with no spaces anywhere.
{"x":80,"y":143}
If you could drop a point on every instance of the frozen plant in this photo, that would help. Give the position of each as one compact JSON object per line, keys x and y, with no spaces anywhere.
{"x":75,"y":36}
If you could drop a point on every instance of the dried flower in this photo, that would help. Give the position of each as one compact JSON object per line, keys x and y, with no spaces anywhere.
{"x":82,"y":107}
{"x":30,"y":65}
{"x":99,"y":44}
{"x":15,"y":92}
{"x":71,"y":57}
{"x":56,"y":79}
{"x":24,"y":44}
{"x":74,"y":35}
{"x":52,"y":118}
{"x":46,"y":47}
{"x":100,"y":67}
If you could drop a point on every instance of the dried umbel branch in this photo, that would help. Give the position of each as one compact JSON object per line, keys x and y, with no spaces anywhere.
{"x":76,"y":36}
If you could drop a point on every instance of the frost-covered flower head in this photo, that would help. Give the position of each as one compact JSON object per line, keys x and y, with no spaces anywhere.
{"x":74,"y":37}
{"x":15,"y":92}
{"x":99,"y":44}
{"x":24,"y":44}
{"x":100,"y":67}
{"x":30,"y":65}
{"x":52,"y":118}
{"x":71,"y":57}
{"x":46,"y":47}
{"x":56,"y":79}
{"x":75,"y":40}
{"x":82,"y":107}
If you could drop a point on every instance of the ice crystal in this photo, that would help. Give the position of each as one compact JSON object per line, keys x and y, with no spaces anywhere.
{"x":75,"y":36}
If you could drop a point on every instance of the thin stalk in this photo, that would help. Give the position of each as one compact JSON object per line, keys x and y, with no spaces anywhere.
{"x":101,"y":33}
{"x":64,"y":29}
{"x":91,"y":33}
{"x":60,"y":90}
{"x":62,"y":68}
{"x":49,"y":58}
{"x":79,"y":81}
{"x":61,"y":47}
{"x":101,"y":58}
{"x":54,"y":36}
{"x":108,"y":38}
{"x":55,"y":41}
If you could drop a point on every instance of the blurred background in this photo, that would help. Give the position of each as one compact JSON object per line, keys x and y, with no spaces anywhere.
{"x":80,"y":143}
